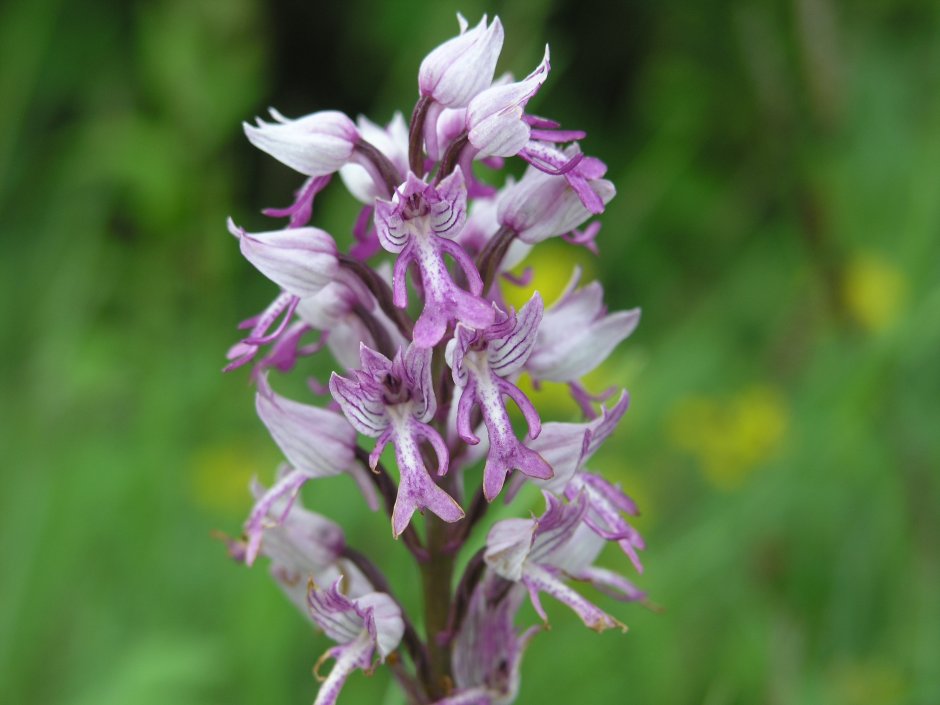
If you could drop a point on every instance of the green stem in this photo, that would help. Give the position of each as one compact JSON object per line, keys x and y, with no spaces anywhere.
{"x":437,"y":577}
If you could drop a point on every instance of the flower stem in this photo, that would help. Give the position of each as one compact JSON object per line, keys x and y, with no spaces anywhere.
{"x":380,"y":336}
{"x":416,"y":134}
{"x":451,"y":157}
{"x":437,"y":576}
{"x":475,"y":512}
{"x":383,"y":165}
{"x":381,"y":291}
{"x":491,"y":256}
{"x":468,"y":582}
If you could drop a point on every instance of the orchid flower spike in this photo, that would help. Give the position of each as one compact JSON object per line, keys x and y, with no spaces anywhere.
{"x":409,"y":304}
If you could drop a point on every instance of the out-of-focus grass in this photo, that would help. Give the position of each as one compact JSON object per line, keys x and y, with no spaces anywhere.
{"x":778,"y":220}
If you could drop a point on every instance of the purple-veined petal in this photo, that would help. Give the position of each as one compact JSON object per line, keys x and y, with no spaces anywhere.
{"x":360,"y":625}
{"x":301,"y":546}
{"x":286,"y":350}
{"x":362,"y":409}
{"x":563,"y":445}
{"x":295,"y":538}
{"x":335,"y":613}
{"x":416,"y":489}
{"x":602,"y":427}
{"x":507,"y":547}
{"x":350,"y":657}
{"x":383,"y":620}
{"x":263,"y":514}
{"x":389,"y":226}
{"x":448,"y":205}
{"x":488,"y":649}
{"x":579,"y":548}
{"x":454,"y":72}
{"x":556,"y":527}
{"x":611,"y":584}
{"x":508,"y":354}
{"x":330,"y":305}
{"x":576,"y":334}
{"x":604,"y":501}
{"x":494,"y":117}
{"x":299,"y":260}
{"x":566,"y":446}
{"x":315,"y":145}
{"x":474,"y":696}
{"x":316,"y":441}
{"x":456,"y":350}
{"x":418,"y":224}
{"x":537,"y":579}
{"x":543,"y":205}
{"x":417,"y":362}
{"x":611,"y":492}
{"x":469,"y":354}
{"x":568,"y":358}
{"x":244,"y":351}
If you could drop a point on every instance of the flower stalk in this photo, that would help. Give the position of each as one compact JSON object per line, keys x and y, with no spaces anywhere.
{"x":427,"y":365}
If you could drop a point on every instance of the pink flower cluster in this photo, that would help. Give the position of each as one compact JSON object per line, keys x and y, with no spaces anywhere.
{"x":428,"y":357}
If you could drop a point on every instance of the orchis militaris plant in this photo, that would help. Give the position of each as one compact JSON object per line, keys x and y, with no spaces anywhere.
{"x":427,"y":358}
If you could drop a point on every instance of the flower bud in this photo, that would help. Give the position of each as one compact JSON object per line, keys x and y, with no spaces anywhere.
{"x":299,"y":260}
{"x":494,"y":118}
{"x":453,"y":73}
{"x":544,"y":205}
{"x":316,"y":145}
{"x":316,"y":441}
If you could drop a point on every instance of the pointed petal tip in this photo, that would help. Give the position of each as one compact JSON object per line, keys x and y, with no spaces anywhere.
{"x":252,"y":549}
{"x":234,"y":229}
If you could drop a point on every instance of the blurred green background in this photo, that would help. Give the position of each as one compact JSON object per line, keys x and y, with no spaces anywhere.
{"x":778,"y":219}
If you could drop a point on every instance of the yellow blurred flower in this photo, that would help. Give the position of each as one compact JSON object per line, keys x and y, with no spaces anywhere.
{"x":220,"y":476}
{"x":553,"y":399}
{"x":729,"y":438}
{"x":552,"y":262}
{"x":866,"y":683}
{"x":873,"y":290}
